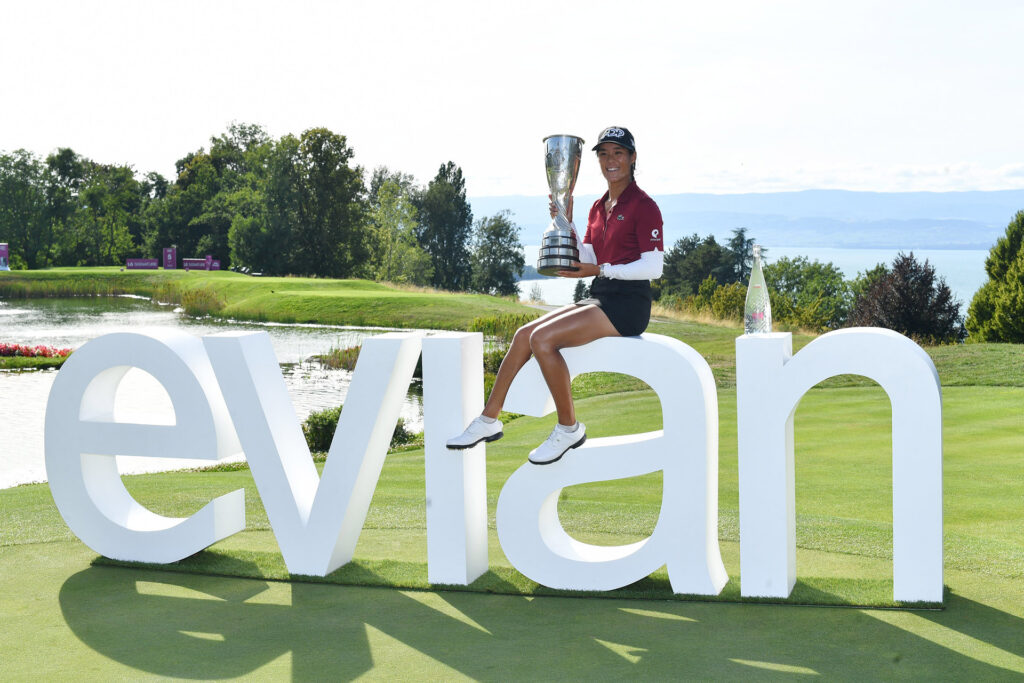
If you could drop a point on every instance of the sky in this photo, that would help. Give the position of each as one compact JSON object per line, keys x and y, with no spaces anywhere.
{"x":722,"y":97}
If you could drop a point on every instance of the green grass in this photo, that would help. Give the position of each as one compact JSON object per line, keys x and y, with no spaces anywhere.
{"x":843,"y":481}
{"x":34,"y":363}
{"x":276,"y":299}
{"x":62,"y":616}
{"x":994,"y":365}
{"x":109,"y":622}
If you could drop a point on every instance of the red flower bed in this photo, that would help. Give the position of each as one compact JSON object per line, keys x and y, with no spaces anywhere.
{"x":32,"y":351}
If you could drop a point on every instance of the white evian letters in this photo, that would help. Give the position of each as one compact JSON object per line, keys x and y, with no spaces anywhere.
{"x":770,"y":382}
{"x":685,"y":449}
{"x":453,"y":394}
{"x":228,"y":395}
{"x":316,"y":519}
{"x":83,"y":434}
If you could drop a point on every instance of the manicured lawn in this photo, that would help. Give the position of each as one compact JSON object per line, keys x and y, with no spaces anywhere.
{"x":63,"y":616}
{"x":276,"y":299}
{"x":114,"y":622}
{"x":33,"y":363}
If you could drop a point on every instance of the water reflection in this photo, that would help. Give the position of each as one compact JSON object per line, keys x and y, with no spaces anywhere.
{"x":69,"y":323}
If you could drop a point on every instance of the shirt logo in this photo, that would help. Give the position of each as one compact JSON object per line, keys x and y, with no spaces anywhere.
{"x":613,"y":133}
{"x":620,"y":217}
{"x":654,"y":234}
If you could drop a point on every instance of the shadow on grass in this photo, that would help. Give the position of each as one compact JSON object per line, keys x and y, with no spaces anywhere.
{"x":988,"y":624}
{"x":192,"y":626}
{"x":846,"y":592}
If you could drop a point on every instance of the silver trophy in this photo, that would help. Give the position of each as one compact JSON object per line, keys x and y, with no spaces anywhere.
{"x":558,"y":247}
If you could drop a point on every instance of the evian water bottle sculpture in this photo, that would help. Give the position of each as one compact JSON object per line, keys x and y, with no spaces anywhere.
{"x":757,"y":310}
{"x":562,"y":155}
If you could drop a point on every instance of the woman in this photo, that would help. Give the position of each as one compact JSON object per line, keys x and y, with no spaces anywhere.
{"x":623,"y":247}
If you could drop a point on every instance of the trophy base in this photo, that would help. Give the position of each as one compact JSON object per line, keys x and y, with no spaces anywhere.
{"x":551,"y":266}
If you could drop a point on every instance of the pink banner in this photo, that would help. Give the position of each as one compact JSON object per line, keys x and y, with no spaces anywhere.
{"x":142,"y":263}
{"x":208,"y":263}
{"x":170,"y":258}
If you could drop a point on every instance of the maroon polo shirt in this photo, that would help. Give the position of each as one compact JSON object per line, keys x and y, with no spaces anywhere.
{"x":633,"y":227}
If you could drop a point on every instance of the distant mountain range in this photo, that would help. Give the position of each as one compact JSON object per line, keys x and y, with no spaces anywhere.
{"x":811,"y":218}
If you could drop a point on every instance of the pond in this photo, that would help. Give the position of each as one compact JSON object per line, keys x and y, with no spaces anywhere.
{"x":69,"y":323}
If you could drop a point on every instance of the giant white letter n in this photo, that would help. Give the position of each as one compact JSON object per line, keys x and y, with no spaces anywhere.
{"x":769,"y":384}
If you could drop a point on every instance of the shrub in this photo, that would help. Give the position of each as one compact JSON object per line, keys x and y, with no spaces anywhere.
{"x":199,"y":302}
{"x":320,"y":426}
{"x":501,"y":327}
{"x":492,"y":360}
{"x":727,"y":301}
{"x":911,"y":300}
{"x":996,"y":313}
{"x":702,"y":300}
{"x":344,"y":359}
{"x":809,"y":294}
{"x":167,"y":293}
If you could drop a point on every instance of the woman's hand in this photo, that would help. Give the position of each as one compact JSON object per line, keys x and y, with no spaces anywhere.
{"x":554,"y":209}
{"x":585,"y":270}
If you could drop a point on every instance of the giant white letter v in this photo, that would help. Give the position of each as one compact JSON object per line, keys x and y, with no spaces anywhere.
{"x":316,"y":520}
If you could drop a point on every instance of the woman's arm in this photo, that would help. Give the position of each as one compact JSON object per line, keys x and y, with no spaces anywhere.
{"x":648,"y":267}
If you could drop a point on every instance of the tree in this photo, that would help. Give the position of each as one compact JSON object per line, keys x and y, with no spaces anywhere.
{"x":312,"y":217}
{"x":251,"y":245}
{"x":864,"y":281}
{"x":580,"y":292}
{"x":807,"y":293}
{"x":536,"y":294}
{"x":329,"y":238}
{"x":383,"y":175}
{"x":66,"y":172}
{"x":397,"y":256}
{"x":23,"y":207}
{"x":497,"y":259}
{"x":691,"y":260}
{"x":240,"y":152}
{"x":996,"y":313}
{"x":98,"y":230}
{"x":740,"y":254}
{"x":911,"y":300}
{"x":179,"y":218}
{"x":445,"y":228}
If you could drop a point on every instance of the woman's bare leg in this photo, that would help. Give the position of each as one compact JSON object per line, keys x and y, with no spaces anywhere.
{"x":516,"y":357}
{"x":579,"y":326}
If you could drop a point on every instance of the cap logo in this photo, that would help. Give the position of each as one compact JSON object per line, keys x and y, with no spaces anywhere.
{"x":654,"y":233}
{"x":613,"y":133}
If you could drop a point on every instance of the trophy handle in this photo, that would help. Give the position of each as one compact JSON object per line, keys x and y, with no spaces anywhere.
{"x":561,"y":222}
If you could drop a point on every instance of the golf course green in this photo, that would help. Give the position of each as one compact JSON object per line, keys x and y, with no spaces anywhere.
{"x":67,"y":614}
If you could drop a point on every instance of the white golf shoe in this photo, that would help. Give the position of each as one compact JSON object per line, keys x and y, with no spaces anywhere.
{"x":558,"y":444}
{"x":477,"y":431}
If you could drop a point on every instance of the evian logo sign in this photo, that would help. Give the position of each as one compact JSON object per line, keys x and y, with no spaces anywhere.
{"x":228,"y":396}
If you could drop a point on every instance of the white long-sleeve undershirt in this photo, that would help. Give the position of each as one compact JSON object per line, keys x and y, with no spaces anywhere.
{"x":648,"y":267}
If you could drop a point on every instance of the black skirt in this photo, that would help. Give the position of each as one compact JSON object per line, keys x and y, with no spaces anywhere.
{"x":627,"y":303}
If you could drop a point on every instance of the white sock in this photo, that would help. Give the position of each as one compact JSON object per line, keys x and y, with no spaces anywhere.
{"x":569,"y":428}
{"x":488,"y":420}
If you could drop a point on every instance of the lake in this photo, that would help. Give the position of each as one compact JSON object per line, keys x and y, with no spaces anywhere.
{"x":964,"y":269}
{"x":69,"y":323}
